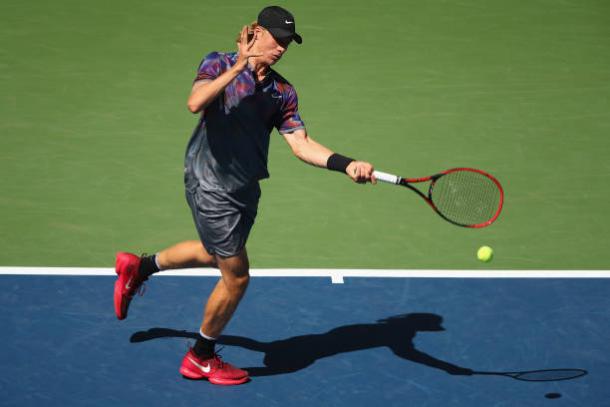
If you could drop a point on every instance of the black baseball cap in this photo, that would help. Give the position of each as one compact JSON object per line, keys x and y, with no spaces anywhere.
{"x":280,"y":23}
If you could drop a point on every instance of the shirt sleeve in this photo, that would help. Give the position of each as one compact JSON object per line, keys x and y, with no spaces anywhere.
{"x":289,"y":118}
{"x":209,"y":68}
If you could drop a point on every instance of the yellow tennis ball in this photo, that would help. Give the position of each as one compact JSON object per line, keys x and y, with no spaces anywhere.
{"x":485,"y":253}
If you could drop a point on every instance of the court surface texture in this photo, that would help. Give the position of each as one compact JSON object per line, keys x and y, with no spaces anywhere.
{"x":396,"y":341}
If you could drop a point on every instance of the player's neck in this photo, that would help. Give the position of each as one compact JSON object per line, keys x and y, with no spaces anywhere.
{"x":260,"y":69}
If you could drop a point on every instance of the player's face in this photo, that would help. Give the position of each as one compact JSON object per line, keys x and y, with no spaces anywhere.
{"x":271,"y":48}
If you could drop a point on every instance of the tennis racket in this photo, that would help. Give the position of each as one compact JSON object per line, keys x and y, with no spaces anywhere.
{"x":548,"y":375}
{"x":463,"y":196}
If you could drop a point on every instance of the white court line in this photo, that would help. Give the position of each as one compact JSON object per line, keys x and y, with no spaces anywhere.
{"x":337,"y":276}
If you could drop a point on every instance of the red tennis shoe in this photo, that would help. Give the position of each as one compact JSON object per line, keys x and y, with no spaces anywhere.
{"x":128,"y":282}
{"x":213,"y":369}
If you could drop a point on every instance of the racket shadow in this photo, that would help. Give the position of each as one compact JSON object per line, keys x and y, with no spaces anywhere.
{"x":544,"y":375}
{"x":296,"y":353}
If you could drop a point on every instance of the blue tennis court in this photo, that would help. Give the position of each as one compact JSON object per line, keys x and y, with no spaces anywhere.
{"x":306,"y":341}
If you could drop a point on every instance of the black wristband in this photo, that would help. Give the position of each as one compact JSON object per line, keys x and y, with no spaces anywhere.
{"x":338,"y":162}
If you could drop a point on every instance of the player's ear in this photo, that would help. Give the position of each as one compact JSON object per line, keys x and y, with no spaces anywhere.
{"x":258,"y":31}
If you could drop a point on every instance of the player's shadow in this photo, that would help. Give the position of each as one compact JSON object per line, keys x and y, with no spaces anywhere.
{"x":296,"y":353}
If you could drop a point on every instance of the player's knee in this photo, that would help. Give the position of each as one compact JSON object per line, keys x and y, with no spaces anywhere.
{"x":204,"y":258}
{"x":242,"y":282}
{"x":209,"y":261}
{"x":238,"y":284}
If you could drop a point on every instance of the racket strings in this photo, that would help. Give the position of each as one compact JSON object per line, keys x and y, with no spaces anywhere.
{"x":466,"y":197}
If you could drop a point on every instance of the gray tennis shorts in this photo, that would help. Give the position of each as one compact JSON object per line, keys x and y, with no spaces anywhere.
{"x":223,"y":218}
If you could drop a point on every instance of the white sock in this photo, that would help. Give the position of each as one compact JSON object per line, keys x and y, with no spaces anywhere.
{"x":209,"y":338}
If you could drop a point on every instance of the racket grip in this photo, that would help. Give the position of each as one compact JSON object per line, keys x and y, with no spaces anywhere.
{"x":385,"y":177}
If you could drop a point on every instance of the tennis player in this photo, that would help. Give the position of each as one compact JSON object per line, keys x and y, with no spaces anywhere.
{"x":241,"y":99}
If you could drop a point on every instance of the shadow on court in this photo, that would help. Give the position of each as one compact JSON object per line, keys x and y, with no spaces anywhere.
{"x":298,"y":352}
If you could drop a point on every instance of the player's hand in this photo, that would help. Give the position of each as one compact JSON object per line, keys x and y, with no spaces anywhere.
{"x":361,"y":172}
{"x":244,"y":49}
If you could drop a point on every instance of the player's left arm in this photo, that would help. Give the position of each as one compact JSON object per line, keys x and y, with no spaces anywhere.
{"x":314,"y":153}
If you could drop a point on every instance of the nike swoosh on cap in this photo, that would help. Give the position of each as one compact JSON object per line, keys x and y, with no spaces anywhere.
{"x":289,"y":22}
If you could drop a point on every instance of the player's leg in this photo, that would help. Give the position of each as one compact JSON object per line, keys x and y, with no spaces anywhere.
{"x":227,"y":294}
{"x":190,"y":253}
{"x":133,"y":271}
{"x":202,"y":361}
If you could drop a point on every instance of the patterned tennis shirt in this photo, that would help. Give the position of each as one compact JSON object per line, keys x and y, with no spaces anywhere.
{"x":229,"y":147}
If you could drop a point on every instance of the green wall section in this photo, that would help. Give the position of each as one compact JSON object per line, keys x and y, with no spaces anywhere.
{"x":93,"y":127}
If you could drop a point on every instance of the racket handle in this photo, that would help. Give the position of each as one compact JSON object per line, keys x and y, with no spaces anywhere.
{"x":385,"y":177}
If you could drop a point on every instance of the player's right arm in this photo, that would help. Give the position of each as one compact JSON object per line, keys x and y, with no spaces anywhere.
{"x":205,"y":91}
